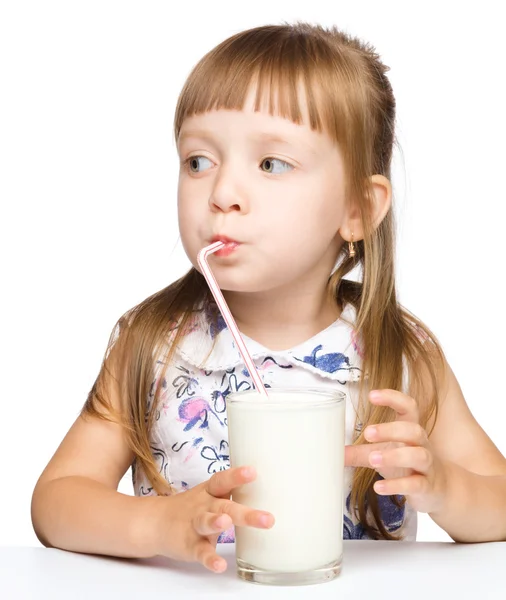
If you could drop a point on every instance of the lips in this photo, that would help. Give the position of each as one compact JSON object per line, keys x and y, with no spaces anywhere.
{"x":229,"y":248}
{"x":225,"y":239}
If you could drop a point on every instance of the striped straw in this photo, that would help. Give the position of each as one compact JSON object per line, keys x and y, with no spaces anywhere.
{"x":227,"y":315}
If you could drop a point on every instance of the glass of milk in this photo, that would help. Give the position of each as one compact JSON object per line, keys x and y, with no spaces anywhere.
{"x":295,"y":440}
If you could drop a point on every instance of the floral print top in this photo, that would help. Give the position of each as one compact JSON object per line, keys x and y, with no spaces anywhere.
{"x":189,"y":438}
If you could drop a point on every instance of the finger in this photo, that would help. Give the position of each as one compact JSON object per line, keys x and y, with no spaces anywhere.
{"x":405,"y":406}
{"x":208,"y":523}
{"x":222,"y":483}
{"x":408,"y":457}
{"x":244,"y":516}
{"x":403,"y":486}
{"x":205,"y":553}
{"x":358,"y":455}
{"x":406,"y":432}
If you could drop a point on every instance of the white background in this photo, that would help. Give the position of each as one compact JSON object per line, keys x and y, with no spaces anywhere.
{"x":88,"y":175}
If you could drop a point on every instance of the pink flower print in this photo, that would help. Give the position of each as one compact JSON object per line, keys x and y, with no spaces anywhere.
{"x":269,"y":362}
{"x":192,"y":449}
{"x":355,"y":342}
{"x":192,"y":325}
{"x":227,"y":537}
{"x":195,"y":410}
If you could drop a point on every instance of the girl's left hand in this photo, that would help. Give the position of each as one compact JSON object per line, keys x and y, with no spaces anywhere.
{"x":401,"y":454}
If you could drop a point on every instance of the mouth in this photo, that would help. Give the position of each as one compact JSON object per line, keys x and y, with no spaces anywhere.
{"x":229,"y":247}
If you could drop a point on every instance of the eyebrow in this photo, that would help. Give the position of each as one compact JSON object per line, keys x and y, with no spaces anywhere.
{"x":196,"y":133}
{"x":259,"y":137}
{"x":277,"y":139}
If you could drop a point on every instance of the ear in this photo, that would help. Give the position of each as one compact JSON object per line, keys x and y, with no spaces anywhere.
{"x":382,"y":201}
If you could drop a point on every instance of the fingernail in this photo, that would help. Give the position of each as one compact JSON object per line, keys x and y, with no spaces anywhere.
{"x":266,"y":520}
{"x":370,"y":433}
{"x":220,"y":522}
{"x":375,"y":458}
{"x":218,"y":566}
{"x":248,"y":472}
{"x":375,"y":395}
{"x":379,"y":486}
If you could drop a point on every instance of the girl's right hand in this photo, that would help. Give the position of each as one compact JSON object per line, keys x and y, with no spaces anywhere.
{"x":191,"y":522}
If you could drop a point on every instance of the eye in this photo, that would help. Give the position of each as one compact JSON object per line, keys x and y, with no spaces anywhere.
{"x":193,"y":163}
{"x":271,"y":163}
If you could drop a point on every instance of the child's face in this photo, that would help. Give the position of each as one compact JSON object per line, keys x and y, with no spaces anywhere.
{"x":281,"y":198}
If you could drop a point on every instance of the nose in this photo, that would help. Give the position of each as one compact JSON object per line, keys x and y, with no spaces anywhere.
{"x":227,"y":195}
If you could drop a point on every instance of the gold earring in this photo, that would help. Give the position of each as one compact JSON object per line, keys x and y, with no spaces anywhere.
{"x":351,"y":247}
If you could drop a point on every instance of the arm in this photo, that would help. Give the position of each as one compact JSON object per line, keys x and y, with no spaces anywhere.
{"x":457,"y":475}
{"x":474,"y":507}
{"x":75,"y":504}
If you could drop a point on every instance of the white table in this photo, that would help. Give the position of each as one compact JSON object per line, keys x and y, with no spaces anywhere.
{"x":373,"y":570}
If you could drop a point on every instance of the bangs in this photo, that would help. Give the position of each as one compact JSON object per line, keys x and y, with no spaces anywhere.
{"x":280,"y":65}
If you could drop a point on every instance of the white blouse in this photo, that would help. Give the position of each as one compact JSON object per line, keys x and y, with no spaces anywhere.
{"x":189,"y":438}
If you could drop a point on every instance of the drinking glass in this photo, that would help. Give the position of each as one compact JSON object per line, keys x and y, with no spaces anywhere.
{"x":295,"y":440}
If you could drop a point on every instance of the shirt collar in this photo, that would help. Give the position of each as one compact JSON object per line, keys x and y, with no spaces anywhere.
{"x":333,"y":353}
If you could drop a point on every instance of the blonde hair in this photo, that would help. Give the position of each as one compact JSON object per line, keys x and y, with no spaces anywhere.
{"x":349,"y":96}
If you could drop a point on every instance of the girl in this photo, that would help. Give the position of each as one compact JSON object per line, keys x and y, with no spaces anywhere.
{"x":285,"y":135}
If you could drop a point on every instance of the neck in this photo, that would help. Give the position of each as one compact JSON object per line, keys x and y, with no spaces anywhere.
{"x":280,"y":319}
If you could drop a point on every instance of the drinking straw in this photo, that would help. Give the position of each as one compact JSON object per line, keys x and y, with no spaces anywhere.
{"x":227,"y":315}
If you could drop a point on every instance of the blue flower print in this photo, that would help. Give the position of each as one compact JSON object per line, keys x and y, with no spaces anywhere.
{"x":184,"y":383}
{"x":190,"y":448}
{"x":231,"y":384}
{"x":235,"y":386}
{"x":151,"y":396}
{"x":335,"y":362}
{"x":266,"y":366}
{"x":269,"y":361}
{"x":215,"y":319}
{"x":391,"y":514}
{"x":227,"y":385}
{"x":220,"y":461}
{"x":352,"y":531}
{"x":227,"y":537}
{"x":392,"y":517}
{"x":216,"y":329}
{"x":219,"y":401}
{"x":329,"y":363}
{"x":194,"y":444}
{"x":161,"y":457}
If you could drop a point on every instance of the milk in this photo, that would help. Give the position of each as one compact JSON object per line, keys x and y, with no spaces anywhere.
{"x":295,"y":440}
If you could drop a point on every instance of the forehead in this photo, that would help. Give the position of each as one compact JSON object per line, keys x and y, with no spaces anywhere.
{"x":261,"y":118}
{"x":273,"y":99}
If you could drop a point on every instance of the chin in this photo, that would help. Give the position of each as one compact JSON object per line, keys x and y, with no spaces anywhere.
{"x":246,"y":287}
{"x":246,"y":284}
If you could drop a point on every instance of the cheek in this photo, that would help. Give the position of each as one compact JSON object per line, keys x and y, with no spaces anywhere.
{"x":307,"y":217}
{"x":188,"y":210}
{"x":186,"y":213}
{"x":187,"y":231}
